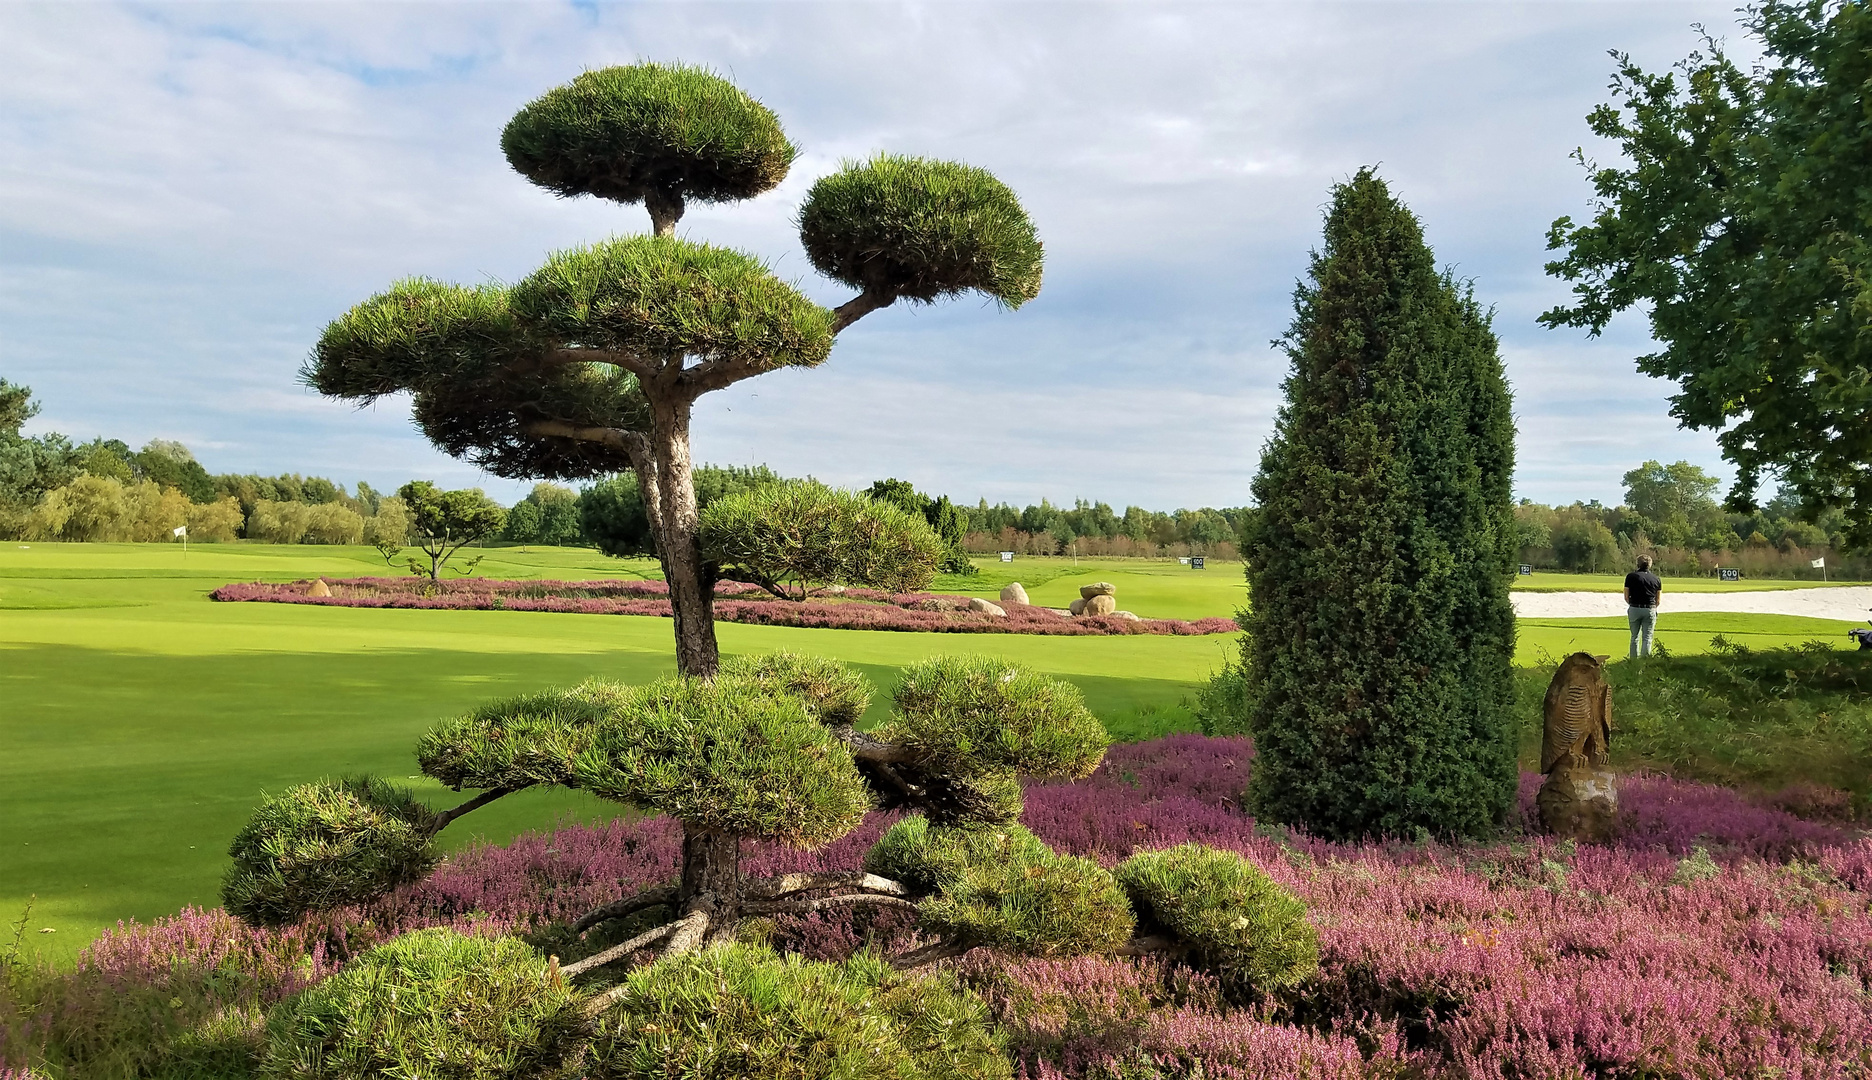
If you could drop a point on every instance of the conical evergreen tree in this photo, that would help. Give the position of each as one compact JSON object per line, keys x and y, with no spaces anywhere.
{"x":1380,"y":635}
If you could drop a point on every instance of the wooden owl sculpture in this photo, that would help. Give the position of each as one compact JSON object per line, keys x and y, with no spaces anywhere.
{"x":1578,"y":714}
{"x":1579,"y":797}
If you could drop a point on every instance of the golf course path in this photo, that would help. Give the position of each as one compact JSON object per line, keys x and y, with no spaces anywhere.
{"x":1847,"y":603}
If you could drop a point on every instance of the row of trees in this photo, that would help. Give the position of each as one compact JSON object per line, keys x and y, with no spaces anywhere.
{"x":1670,"y":513}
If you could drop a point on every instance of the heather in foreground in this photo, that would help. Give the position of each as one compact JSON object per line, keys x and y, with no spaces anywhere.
{"x":1714,"y":938}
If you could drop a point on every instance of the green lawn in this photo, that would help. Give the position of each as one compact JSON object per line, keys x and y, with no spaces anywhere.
{"x":139,"y":721}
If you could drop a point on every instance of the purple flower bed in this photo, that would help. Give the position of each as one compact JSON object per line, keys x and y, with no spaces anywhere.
{"x":1713,"y":938}
{"x":854,"y":609}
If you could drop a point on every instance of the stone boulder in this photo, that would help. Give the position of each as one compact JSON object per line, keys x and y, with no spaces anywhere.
{"x":1098,"y":588}
{"x":1128,"y":616}
{"x":987,"y":607}
{"x":1014,"y":594}
{"x":1102,"y":604}
{"x":319,"y":588}
{"x":1076,"y":607}
{"x":1579,"y":802}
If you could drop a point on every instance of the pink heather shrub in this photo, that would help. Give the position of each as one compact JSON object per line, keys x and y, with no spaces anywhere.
{"x":855,"y":609}
{"x":1521,"y":958}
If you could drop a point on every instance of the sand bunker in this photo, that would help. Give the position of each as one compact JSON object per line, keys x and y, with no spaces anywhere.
{"x":1846,"y":603}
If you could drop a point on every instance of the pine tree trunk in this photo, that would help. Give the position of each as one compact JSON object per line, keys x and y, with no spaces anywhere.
{"x":711,"y":865}
{"x":692,"y":598}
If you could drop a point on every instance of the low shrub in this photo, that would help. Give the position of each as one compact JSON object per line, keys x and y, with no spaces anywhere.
{"x":1236,"y":922}
{"x":1004,"y":888}
{"x":320,"y":846}
{"x":430,"y":1005}
{"x":737,"y":1011}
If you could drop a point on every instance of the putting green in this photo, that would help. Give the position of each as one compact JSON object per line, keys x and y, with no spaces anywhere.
{"x":139,"y":721}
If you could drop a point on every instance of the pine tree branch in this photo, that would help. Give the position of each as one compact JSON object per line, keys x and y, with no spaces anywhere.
{"x":662,"y":894}
{"x":630,"y":442}
{"x":824,"y":903}
{"x":1151,"y":945}
{"x":636,"y":365}
{"x":778,"y":888}
{"x":616,"y":952}
{"x":442,"y":819}
{"x":865,"y":748}
{"x":930,"y":954}
{"x":857,"y":308}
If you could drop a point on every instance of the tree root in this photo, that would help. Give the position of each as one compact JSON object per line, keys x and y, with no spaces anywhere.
{"x":662,"y":894}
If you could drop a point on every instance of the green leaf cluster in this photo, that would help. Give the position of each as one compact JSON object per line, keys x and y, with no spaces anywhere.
{"x":1739,"y":220}
{"x":628,"y":132}
{"x":1004,"y":888}
{"x":1237,"y":922}
{"x":979,"y":715}
{"x":1381,"y":637}
{"x":325,"y":845}
{"x":911,"y":228}
{"x":736,"y":1011}
{"x":832,"y":690}
{"x":794,"y":537}
{"x":612,"y":514}
{"x":734,"y":754}
{"x":662,"y":298}
{"x":429,"y":1005}
{"x":477,"y":374}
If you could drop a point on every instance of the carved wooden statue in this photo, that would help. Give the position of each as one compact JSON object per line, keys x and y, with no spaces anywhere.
{"x":1579,"y":798}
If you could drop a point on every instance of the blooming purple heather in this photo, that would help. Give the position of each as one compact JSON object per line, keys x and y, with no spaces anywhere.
{"x":855,"y":609}
{"x":1523,"y":957}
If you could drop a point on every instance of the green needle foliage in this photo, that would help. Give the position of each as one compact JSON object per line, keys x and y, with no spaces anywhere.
{"x":430,"y":1005}
{"x":977,"y":715}
{"x":1740,"y":222}
{"x":321,"y":846}
{"x":627,"y":133}
{"x":796,"y":537}
{"x":917,"y":229}
{"x":657,"y":296}
{"x":727,"y":756}
{"x":1004,"y":888}
{"x":1236,"y":921}
{"x":593,"y":364}
{"x":736,"y":1011}
{"x":833,"y":691}
{"x":1380,"y":638}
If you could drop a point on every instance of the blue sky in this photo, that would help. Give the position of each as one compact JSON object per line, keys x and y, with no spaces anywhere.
{"x":189,"y":192}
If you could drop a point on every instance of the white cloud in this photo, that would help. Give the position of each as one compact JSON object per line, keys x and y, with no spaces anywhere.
{"x":188,"y":192}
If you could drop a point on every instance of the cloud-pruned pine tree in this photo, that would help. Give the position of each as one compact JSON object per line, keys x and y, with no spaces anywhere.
{"x":1379,"y":632}
{"x":592,"y":364}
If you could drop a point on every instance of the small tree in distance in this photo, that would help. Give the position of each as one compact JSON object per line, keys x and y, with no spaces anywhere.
{"x":593,"y":364}
{"x":1379,"y":632}
{"x":447,"y":521}
{"x":793,"y":538}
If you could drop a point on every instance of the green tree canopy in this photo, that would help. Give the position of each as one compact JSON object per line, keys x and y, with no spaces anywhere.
{"x":447,"y":521}
{"x":1740,"y":220}
{"x":795,"y":537}
{"x":1379,"y":642}
{"x":592,"y":365}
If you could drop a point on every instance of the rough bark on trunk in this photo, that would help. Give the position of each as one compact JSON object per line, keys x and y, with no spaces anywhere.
{"x":711,"y":868}
{"x":692,"y":595}
{"x":666,"y":209}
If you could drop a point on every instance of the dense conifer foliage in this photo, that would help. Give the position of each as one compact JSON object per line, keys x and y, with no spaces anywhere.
{"x":592,"y":364}
{"x":1380,"y":638}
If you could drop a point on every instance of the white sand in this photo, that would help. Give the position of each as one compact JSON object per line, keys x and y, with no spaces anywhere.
{"x":1848,"y":603}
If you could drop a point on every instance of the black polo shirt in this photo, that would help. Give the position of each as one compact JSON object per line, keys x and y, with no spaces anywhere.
{"x":1643,"y":587}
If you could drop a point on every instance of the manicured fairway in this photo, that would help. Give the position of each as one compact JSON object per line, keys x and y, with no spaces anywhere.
{"x":139,"y":721}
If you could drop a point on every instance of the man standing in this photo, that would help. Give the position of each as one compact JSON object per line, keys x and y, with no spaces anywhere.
{"x":1642,"y":589}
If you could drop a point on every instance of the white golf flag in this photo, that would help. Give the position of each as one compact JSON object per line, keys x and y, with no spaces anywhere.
{"x":181,"y":530}
{"x":1821,"y":561}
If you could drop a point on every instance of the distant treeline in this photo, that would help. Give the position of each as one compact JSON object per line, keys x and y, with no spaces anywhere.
{"x":1670,"y":513}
